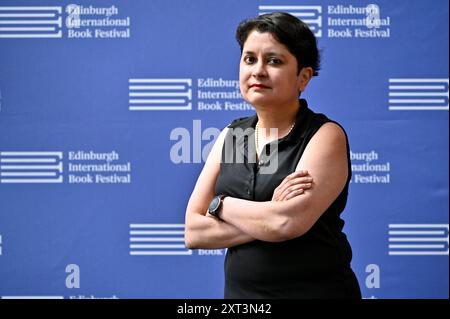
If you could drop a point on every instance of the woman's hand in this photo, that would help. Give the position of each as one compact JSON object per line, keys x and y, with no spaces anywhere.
{"x":293,"y":185}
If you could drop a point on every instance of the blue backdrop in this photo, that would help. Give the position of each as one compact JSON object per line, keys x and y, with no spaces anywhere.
{"x":109,"y":108}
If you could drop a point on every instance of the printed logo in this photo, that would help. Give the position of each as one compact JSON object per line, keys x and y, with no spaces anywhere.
{"x":210,"y":94}
{"x":47,"y":22}
{"x":157,"y":239}
{"x":47,"y":167}
{"x":311,"y":15}
{"x":418,"y":239}
{"x":96,"y":22}
{"x":347,"y":21}
{"x":367,"y":169}
{"x":30,"y":22}
{"x":163,"y":240}
{"x":339,"y":21}
{"x":220,"y":94}
{"x":31,"y":167}
{"x":418,"y":94}
{"x":97,"y":168}
{"x":160,"y":94}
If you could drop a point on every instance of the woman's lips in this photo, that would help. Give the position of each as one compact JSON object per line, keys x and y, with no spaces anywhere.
{"x":259,"y":86}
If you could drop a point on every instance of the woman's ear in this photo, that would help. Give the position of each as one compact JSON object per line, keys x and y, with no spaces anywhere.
{"x":304,"y":77}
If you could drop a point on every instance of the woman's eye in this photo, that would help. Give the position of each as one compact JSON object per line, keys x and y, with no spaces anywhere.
{"x":274,"y":61}
{"x":249,"y":59}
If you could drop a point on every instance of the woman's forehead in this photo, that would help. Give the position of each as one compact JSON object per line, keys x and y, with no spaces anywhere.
{"x":265,"y":41}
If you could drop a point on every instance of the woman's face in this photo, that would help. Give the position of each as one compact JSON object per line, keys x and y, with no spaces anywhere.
{"x":268,"y":72}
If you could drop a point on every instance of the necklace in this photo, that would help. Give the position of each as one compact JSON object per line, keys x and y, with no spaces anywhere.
{"x":257,"y":139}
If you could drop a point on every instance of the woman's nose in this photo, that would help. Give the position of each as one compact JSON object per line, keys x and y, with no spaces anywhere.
{"x":259,"y":70}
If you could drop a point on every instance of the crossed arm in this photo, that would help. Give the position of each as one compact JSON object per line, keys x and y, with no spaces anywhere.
{"x":293,"y":210}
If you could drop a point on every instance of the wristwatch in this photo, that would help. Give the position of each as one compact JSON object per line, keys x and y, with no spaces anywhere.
{"x":216,"y":205}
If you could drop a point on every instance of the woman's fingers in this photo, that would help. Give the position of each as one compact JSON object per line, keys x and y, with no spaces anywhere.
{"x":294,"y":184}
{"x":296,"y":189}
{"x":292,"y":176}
{"x":294,"y":193}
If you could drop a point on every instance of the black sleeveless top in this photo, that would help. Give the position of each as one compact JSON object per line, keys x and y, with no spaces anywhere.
{"x":314,"y":265}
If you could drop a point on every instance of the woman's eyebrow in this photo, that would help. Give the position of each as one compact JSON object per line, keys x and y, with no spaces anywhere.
{"x":270,"y":53}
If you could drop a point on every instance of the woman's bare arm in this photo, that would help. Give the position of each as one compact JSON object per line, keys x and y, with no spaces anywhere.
{"x":325,"y":158}
{"x":202,"y":230}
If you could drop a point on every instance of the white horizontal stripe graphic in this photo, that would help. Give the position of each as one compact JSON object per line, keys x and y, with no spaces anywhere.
{"x":158,"y":246}
{"x":156,"y":232}
{"x":28,"y":160}
{"x":318,"y":8}
{"x":158,"y":94}
{"x":418,"y":108}
{"x":296,"y":14}
{"x":27,"y":15}
{"x":160,"y":108}
{"x":9,"y":8}
{"x":156,"y":87}
{"x":419,"y":226}
{"x":418,"y":253}
{"x":58,"y":22}
{"x":416,"y":87}
{"x":157,"y":239}
{"x":27,"y":29}
{"x":304,"y":14}
{"x":416,"y":246}
{"x":28,"y":174}
{"x":156,"y":225}
{"x":188,"y":81}
{"x":31,"y":167}
{"x":317,"y":21}
{"x":37,"y":181}
{"x":24,"y":36}
{"x":417,"y":101}
{"x":417,"y":80}
{"x":404,"y":246}
{"x":189,"y":252}
{"x":417,"y":239}
{"x":59,"y":154}
{"x":412,"y":232}
{"x":418,"y":93}
{"x":155,"y":101}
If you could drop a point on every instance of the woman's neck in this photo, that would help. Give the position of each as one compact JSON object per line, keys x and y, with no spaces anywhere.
{"x":280,"y":118}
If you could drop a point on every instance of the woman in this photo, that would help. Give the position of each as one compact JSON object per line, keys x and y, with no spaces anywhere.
{"x":282,"y":229}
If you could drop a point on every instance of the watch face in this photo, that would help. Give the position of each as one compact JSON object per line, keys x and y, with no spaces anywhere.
{"x":214,"y":204}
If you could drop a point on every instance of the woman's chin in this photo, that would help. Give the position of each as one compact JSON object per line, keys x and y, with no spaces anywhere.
{"x":261,"y":99}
